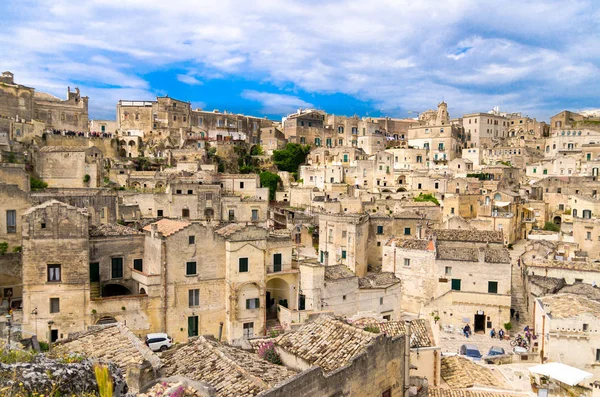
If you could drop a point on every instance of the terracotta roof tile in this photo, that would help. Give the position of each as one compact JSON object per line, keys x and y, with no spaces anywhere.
{"x":440,"y":392}
{"x":378,"y":280}
{"x":460,"y":372}
{"x":326,"y":342}
{"x":338,"y":272}
{"x":478,"y":236}
{"x":570,"y":305}
{"x":168,"y":227}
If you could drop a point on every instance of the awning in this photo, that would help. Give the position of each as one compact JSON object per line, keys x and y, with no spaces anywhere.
{"x":530,"y":209}
{"x":501,"y":203}
{"x":561,"y":372}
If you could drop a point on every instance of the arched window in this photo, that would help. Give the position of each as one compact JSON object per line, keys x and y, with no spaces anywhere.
{"x":497,"y":197}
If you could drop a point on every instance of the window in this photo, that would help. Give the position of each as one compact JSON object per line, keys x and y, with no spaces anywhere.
{"x":276,"y":262}
{"x":54,"y":305}
{"x":452,"y":210}
{"x":381,"y":301}
{"x":231,"y":215}
{"x":587,"y":214}
{"x":174,"y":118}
{"x":54,"y":273}
{"x":192,"y":240}
{"x":190,"y":268}
{"x":406,"y":262}
{"x":243,"y":265}
{"x":241,"y":185}
{"x":379,"y":229}
{"x":11,"y":221}
{"x":159,"y":213}
{"x":387,"y":393}
{"x":185,"y":213}
{"x":253,"y":303}
{"x":586,"y":327}
{"x":492,"y":287}
{"x":407,"y":231}
{"x":190,"y":191}
{"x":343,"y":254}
{"x":254,"y":215}
{"x":138,"y":264}
{"x":116,"y":268}
{"x":588,"y":236}
{"x":343,"y":297}
{"x":379,"y":243}
{"x":193,"y":326}
{"x":248,"y":330}
{"x":448,"y":270}
{"x":456,"y":284}
{"x":194,"y":297}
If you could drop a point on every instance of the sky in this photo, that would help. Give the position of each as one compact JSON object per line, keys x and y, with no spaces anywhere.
{"x":271,"y":57}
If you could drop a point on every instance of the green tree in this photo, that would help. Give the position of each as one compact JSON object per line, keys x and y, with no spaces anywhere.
{"x":257,"y":151}
{"x":427,"y":197}
{"x":290,"y":158}
{"x":270,"y":180}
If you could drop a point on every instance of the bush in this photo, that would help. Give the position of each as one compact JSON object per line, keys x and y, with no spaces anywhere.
{"x":426,"y":197}
{"x":3,"y":247}
{"x":44,"y":346}
{"x":16,"y":249}
{"x":257,"y":151}
{"x":290,"y":158}
{"x":508,"y":326}
{"x":37,"y":184}
{"x":372,"y":328}
{"x":550,"y":226}
{"x":86,"y":178}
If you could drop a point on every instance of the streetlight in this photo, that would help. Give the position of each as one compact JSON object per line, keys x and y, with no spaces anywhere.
{"x":34,"y":313}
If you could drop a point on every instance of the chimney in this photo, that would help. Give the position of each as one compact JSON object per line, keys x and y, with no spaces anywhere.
{"x":482,"y":253}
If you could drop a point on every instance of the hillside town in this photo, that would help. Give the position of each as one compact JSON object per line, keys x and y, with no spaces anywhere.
{"x":179,"y":251}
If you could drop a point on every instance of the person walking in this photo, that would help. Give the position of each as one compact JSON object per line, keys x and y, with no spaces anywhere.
{"x":517,"y":316}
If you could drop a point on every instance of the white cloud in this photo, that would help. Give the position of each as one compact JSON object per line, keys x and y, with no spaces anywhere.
{"x":392,"y":53}
{"x":276,"y":103}
{"x":188,"y":79}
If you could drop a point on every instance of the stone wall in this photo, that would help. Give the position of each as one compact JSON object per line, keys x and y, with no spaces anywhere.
{"x":107,"y":146}
{"x":10,"y":276}
{"x":378,"y":369}
{"x":101,"y":204}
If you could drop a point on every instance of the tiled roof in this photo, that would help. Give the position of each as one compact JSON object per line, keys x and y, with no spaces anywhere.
{"x":167,"y":227}
{"x":112,"y":229}
{"x":587,"y":290}
{"x":440,"y":392}
{"x":421,"y":334}
{"x":231,"y":371}
{"x":411,"y":244}
{"x":548,"y":283}
{"x":497,"y":255}
{"x":569,"y":305}
{"x":460,"y":372}
{"x":466,"y":254}
{"x":114,"y":342}
{"x":326,"y":342}
{"x":568,"y":265}
{"x":338,"y":272}
{"x":378,"y":280}
{"x":230,"y":229}
{"x":478,"y":236}
{"x":52,"y":202}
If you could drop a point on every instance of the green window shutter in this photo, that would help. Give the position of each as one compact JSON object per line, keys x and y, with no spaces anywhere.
{"x":492,"y":287}
{"x":117,"y":267}
{"x":343,"y":254}
{"x":256,"y":303}
{"x":193,"y":326}
{"x":138,"y":264}
{"x":243,"y":265}
{"x":407,"y":231}
{"x":277,"y":262}
{"x":456,"y":284}
{"x":190,"y":268}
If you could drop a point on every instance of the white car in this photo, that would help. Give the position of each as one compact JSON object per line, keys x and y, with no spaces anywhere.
{"x":158,"y":342}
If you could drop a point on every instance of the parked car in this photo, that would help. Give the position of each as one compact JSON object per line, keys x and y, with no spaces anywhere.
{"x":470,"y":351}
{"x":158,"y":342}
{"x":496,"y":351}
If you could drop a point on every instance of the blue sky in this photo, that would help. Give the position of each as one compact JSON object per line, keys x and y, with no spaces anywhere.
{"x":346,"y":57}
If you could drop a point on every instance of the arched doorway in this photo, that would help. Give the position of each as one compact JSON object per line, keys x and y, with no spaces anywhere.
{"x":278,"y":293}
{"x":557,"y":220}
{"x":115,"y":290}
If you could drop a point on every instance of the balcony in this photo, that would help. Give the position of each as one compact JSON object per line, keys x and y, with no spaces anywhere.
{"x":496,"y":214}
{"x":281,"y":269}
{"x":529,"y":220}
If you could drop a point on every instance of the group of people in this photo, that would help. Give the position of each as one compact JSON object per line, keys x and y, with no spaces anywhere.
{"x":80,"y":133}
{"x":500,"y":333}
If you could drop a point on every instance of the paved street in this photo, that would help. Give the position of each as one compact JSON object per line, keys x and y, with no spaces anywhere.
{"x":451,"y":342}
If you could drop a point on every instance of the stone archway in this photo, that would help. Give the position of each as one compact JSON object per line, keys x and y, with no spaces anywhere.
{"x":278,"y":293}
{"x":557,"y":220}
{"x":115,"y":290}
{"x":106,"y":320}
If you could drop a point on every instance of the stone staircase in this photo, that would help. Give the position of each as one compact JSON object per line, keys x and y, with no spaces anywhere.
{"x":95,"y":292}
{"x":518,"y":302}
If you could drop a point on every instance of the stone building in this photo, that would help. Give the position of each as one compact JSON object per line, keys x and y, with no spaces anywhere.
{"x":14,"y":201}
{"x":16,"y":100}
{"x":70,"y":114}
{"x":343,"y":240}
{"x":70,"y":167}
{"x":463,"y":276}
{"x":307,"y":127}
{"x":484,"y":129}
{"x":568,"y":327}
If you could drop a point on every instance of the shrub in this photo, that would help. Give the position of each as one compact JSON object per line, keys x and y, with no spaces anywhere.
{"x":508,"y":326}
{"x":16,"y":249}
{"x":551,"y":227}
{"x":426,"y":197}
{"x":267,"y":352}
{"x":37,"y":184}
{"x":3,"y":247}
{"x":86,"y":178}
{"x":372,"y":328}
{"x":270,"y":180}
{"x":105,"y":385}
{"x":290,"y":158}
{"x":44,"y":346}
